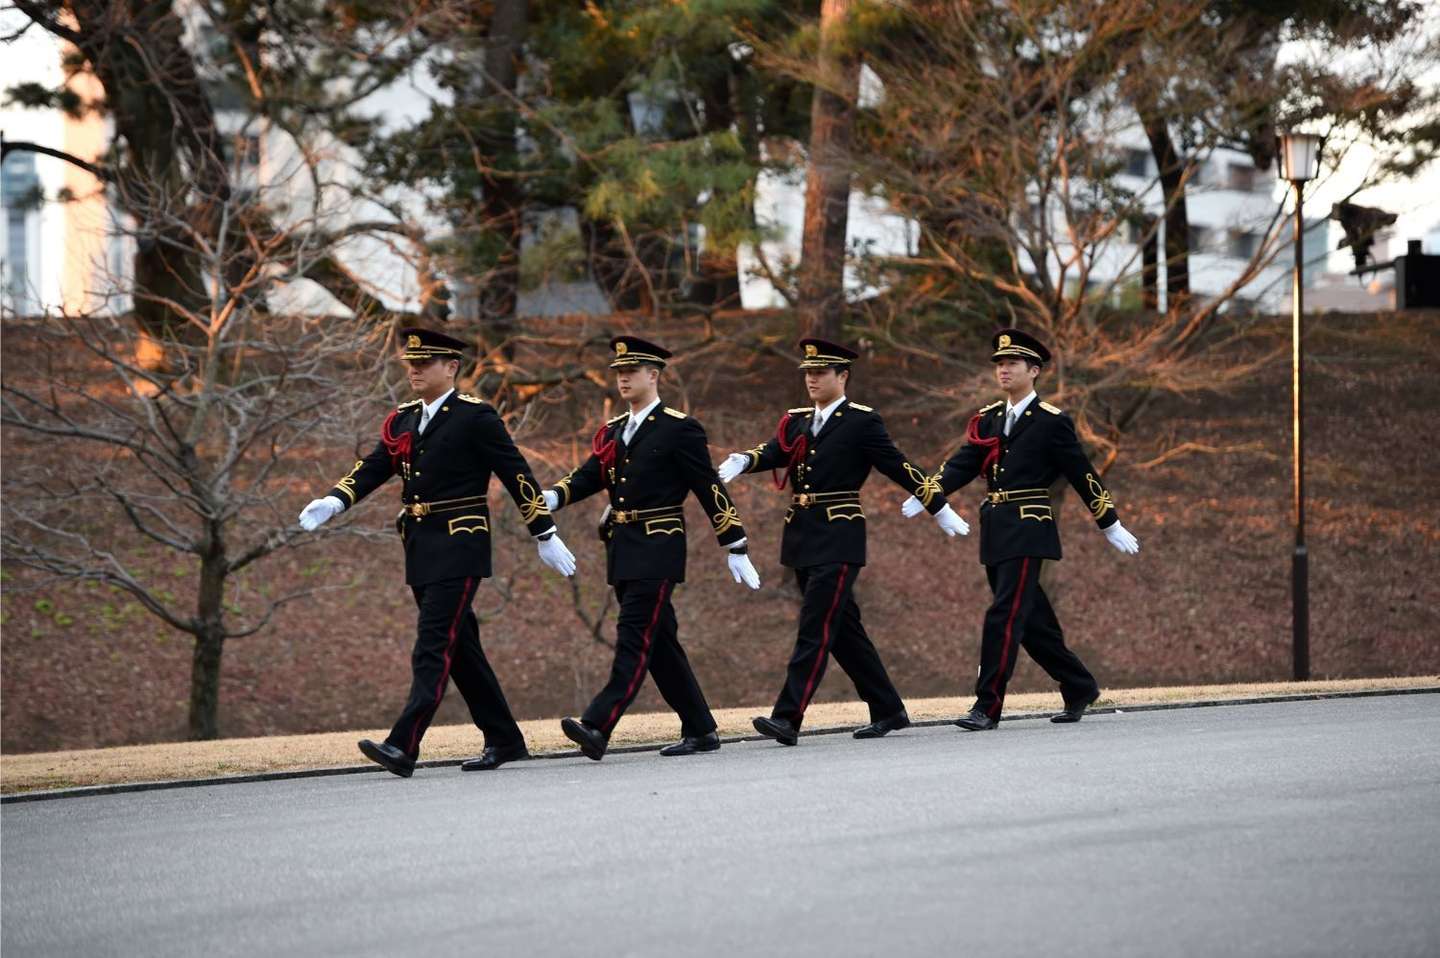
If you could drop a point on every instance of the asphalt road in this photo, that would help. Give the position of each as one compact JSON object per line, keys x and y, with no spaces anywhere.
{"x":1285,"y":829}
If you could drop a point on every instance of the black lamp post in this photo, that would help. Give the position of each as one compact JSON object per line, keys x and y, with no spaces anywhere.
{"x":1299,"y":162}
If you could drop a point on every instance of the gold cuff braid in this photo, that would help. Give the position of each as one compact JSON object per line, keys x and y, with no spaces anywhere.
{"x":926,"y":487}
{"x":1102,"y":503}
{"x":532,"y":503}
{"x":726,"y":516}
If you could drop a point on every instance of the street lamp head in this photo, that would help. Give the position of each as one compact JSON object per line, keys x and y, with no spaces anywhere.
{"x":1299,"y":156}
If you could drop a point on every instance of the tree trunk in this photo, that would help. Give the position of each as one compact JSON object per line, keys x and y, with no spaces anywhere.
{"x":503,"y":202}
{"x":827,"y":186}
{"x":205,"y":687}
{"x":209,"y":637}
{"x":1172,"y":169}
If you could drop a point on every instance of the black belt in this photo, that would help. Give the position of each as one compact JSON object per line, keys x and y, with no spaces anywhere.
{"x":418,"y":509}
{"x":622,"y":516}
{"x":1017,"y":495}
{"x":807,"y":499}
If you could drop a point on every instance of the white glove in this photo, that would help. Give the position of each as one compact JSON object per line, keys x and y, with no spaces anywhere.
{"x":951,"y":524}
{"x":319,"y":512}
{"x":743,"y":571}
{"x":552,"y":499}
{"x":554,"y":554}
{"x":911,"y":508}
{"x":1121,"y":539}
{"x":733,"y":465}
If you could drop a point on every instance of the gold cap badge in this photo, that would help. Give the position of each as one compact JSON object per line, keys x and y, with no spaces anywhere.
{"x":412,"y":342}
{"x":1004,"y":341}
{"x":621,"y":349}
{"x":810,"y":350}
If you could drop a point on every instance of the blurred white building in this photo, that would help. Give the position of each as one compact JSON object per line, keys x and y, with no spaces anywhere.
{"x":69,"y":255}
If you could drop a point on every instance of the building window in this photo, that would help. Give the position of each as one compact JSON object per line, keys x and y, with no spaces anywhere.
{"x":1241,"y":176}
{"x":1240,"y":244}
{"x":243,"y":151}
{"x":1137,"y":162}
{"x":20,"y":195}
{"x":1199,"y":238}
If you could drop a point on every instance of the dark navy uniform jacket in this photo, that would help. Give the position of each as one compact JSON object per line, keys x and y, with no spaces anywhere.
{"x":825,"y":523}
{"x":1016,"y":516}
{"x":445,"y":477}
{"x":647,"y":481}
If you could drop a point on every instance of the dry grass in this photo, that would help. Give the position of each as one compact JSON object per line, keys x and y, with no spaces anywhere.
{"x":240,"y":756}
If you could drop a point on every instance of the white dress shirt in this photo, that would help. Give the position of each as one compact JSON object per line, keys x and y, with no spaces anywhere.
{"x":1015,"y":411}
{"x":636,"y":418}
{"x":822,"y":416}
{"x":428,"y":411}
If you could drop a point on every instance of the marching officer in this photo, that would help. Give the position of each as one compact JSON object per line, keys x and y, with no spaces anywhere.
{"x":444,"y":446}
{"x":826,"y":452}
{"x":1022,"y":445}
{"x":647,"y":460}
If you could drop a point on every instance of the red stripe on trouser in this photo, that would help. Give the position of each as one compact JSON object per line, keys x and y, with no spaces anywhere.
{"x":824,"y":642}
{"x":444,"y":672}
{"x":1009,"y":635}
{"x":639,"y":675}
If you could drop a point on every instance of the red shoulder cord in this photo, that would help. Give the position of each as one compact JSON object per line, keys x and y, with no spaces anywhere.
{"x":795,"y":450}
{"x":397,"y":446}
{"x":991,"y":445}
{"x":604,"y":450}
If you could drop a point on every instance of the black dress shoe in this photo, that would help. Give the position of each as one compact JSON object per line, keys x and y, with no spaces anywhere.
{"x":691,"y":744}
{"x":494,"y":756}
{"x":1074,"y":713}
{"x":389,"y":757}
{"x":882,"y":727}
{"x":778,"y":729}
{"x":591,"y":740}
{"x":977,"y":721}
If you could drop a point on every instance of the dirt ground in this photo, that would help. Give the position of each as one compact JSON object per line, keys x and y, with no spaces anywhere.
{"x":182,"y":760}
{"x":1206,"y":601}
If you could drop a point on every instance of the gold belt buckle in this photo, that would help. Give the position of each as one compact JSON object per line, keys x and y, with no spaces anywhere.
{"x":620,"y":517}
{"x":996,"y":497}
{"x":418,"y":509}
{"x":803,"y":499}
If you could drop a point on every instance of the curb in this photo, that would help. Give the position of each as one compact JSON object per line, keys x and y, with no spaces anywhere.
{"x":120,"y":788}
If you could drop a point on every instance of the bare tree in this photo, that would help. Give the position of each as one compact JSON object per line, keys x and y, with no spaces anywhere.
{"x":199,"y":458}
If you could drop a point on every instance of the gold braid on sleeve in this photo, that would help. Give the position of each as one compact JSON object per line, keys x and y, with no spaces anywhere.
{"x":347,"y":485}
{"x":925,"y":486}
{"x":532,"y":503}
{"x":726,"y":516}
{"x":1102,"y":503}
{"x":754,"y":455}
{"x":563,"y":487}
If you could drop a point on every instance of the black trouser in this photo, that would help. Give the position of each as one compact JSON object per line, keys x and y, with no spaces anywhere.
{"x":1021,"y":615}
{"x":830,"y":625}
{"x":646,"y":638}
{"x":447,"y":645}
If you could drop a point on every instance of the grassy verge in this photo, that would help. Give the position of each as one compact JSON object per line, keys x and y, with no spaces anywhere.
{"x":182,"y":760}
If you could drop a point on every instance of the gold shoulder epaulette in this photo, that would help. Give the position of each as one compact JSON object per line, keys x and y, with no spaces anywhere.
{"x":674,"y":412}
{"x":622,"y":416}
{"x":1054,"y":411}
{"x":466,"y":397}
{"x":862,"y":407}
{"x":992,"y":405}
{"x":800,"y":409}
{"x":407,"y":405}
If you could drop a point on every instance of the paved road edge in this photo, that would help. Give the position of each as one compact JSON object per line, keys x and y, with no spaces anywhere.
{"x":119,"y":788}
